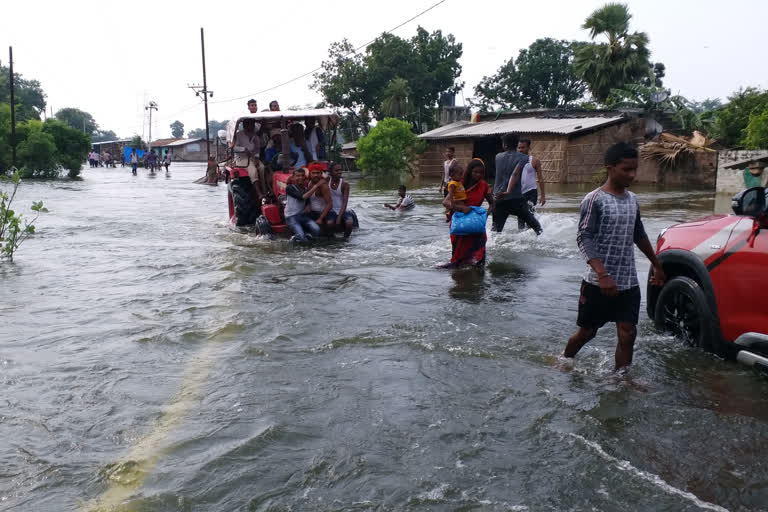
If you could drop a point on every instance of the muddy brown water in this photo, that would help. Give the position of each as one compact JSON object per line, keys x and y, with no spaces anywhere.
{"x":152,"y":360}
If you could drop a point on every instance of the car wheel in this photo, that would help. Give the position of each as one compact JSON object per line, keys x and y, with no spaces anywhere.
{"x":682,"y":310}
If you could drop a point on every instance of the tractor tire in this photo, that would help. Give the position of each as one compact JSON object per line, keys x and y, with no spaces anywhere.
{"x":682,"y":310}
{"x":246,"y":210}
{"x":263,"y":226}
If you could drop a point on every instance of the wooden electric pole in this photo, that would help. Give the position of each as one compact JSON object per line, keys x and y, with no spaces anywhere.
{"x":206,"y":93}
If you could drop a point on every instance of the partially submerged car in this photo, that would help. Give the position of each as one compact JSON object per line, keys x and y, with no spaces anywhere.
{"x":267,"y":218}
{"x":716,"y":294}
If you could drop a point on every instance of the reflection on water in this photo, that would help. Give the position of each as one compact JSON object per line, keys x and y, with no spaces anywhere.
{"x":154,"y":360}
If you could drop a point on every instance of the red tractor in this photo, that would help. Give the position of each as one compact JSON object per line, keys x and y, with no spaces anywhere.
{"x":716,"y":294}
{"x":248,"y":211}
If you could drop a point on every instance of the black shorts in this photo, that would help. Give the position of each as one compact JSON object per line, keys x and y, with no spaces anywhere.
{"x":596,"y":309}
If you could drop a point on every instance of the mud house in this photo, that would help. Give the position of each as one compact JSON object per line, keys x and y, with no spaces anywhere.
{"x":570,"y":145}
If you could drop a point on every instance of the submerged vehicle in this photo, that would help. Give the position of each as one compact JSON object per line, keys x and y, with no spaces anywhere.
{"x":716,"y":294}
{"x":262,"y":212}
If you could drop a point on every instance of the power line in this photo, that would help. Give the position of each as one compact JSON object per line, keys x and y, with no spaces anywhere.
{"x":319,"y":68}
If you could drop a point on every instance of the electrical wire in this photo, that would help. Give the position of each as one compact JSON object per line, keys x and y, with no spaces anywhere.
{"x":320,"y":68}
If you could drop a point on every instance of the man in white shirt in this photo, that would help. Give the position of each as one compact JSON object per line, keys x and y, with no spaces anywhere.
{"x":247,"y":145}
{"x":449,"y":152}
{"x":530,"y":176}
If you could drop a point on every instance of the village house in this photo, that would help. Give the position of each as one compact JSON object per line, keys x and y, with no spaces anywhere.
{"x":570,"y":145}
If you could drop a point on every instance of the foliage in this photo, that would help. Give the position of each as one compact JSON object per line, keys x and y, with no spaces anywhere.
{"x":78,"y":119}
{"x":756,"y":133}
{"x":213,"y":129}
{"x":36,"y":152}
{"x":394,"y":101}
{"x":352,"y":125}
{"x":389,"y":148}
{"x":13,"y":229}
{"x":622,"y":60}
{"x":71,"y":146}
{"x":138,"y":143}
{"x":428,"y":63}
{"x":541,"y":77}
{"x":103,"y":136}
{"x":733,"y":118}
{"x":177,"y":129}
{"x":28,"y":95}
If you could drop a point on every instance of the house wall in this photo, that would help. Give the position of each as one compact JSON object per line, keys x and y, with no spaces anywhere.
{"x":586,"y":153}
{"x":732,"y":180}
{"x":430,"y":163}
{"x":186,"y":152}
{"x":699,"y":171}
{"x":552,"y":152}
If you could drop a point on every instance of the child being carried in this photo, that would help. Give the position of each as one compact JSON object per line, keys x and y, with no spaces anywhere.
{"x":457,"y":195}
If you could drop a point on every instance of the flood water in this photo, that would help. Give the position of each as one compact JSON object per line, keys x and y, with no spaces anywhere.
{"x":153,"y":360}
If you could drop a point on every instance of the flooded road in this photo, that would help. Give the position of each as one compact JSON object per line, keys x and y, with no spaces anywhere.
{"x":152,"y":360}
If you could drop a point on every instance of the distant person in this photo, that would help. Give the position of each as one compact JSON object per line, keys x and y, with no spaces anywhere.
{"x":166,"y":162}
{"x":449,"y":160}
{"x":339,"y":190}
{"x":506,"y":188}
{"x":122,"y":157}
{"x":609,"y":225}
{"x":274,"y":106}
{"x":529,"y":177}
{"x":404,"y":203}
{"x":134,"y":161}
{"x":296,"y":196}
{"x":212,"y":171}
{"x":253,"y":107}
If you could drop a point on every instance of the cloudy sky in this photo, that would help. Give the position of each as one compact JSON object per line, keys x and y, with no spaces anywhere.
{"x":110,"y":58}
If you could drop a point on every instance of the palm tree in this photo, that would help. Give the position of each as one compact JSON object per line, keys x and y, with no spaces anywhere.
{"x":622,"y":60}
{"x":395,"y":98}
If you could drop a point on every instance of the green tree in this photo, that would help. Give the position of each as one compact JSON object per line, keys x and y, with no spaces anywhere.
{"x":37,"y":152}
{"x":103,"y":135}
{"x":78,"y":119}
{"x":138,"y":143}
{"x":623,"y":59}
{"x":390,"y":148}
{"x":213,"y":128}
{"x":28,"y":94}
{"x":428,"y":62}
{"x":756,"y":133}
{"x":71,"y":146}
{"x":541,"y":77}
{"x":394,"y":101}
{"x":733,"y":118}
{"x":177,"y":129}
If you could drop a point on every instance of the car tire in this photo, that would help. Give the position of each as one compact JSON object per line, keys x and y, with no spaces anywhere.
{"x":242,"y":197}
{"x":682,"y":310}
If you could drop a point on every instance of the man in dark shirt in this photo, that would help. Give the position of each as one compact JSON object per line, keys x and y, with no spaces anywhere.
{"x":295,"y":204}
{"x":506,"y":187}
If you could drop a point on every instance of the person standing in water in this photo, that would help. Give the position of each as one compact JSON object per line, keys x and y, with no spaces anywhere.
{"x":134,"y":161}
{"x":609,"y":226}
{"x":340,"y":198}
{"x":530,"y":177}
{"x":506,"y":187}
{"x":449,"y":161}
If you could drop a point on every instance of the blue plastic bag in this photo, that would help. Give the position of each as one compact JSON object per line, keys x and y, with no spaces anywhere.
{"x":471,"y":223}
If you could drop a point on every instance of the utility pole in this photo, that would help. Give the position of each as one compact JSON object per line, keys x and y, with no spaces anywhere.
{"x":151,"y":106}
{"x":206,"y":93}
{"x":13,"y":109}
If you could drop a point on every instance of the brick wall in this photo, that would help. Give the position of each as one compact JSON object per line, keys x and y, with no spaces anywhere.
{"x":586,"y":152}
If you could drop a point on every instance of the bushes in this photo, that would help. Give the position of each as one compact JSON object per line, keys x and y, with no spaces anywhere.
{"x":390,"y":148}
{"x":13,"y":231}
{"x":43,"y":150}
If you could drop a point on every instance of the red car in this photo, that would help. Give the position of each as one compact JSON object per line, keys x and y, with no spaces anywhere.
{"x":716,"y":294}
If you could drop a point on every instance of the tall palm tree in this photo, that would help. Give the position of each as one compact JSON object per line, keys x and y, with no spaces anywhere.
{"x":622,"y":60}
{"x":394,"y":101}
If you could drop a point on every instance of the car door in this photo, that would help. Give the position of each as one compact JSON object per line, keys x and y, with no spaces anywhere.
{"x":742,"y":279}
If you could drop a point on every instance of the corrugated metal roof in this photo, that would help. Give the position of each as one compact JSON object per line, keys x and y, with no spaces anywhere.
{"x":743,"y":163}
{"x":161,"y":143}
{"x":184,"y":141}
{"x":556,"y":125}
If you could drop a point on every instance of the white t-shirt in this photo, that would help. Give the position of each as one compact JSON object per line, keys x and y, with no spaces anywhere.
{"x":447,"y":170}
{"x":528,"y":177}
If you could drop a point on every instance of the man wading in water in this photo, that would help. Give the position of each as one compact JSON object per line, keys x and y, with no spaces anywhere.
{"x":608,"y":226}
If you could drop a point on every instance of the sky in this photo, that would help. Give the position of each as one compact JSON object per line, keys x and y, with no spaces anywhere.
{"x":111,"y":58}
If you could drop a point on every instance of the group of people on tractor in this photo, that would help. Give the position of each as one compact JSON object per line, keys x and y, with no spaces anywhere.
{"x":315,"y":195}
